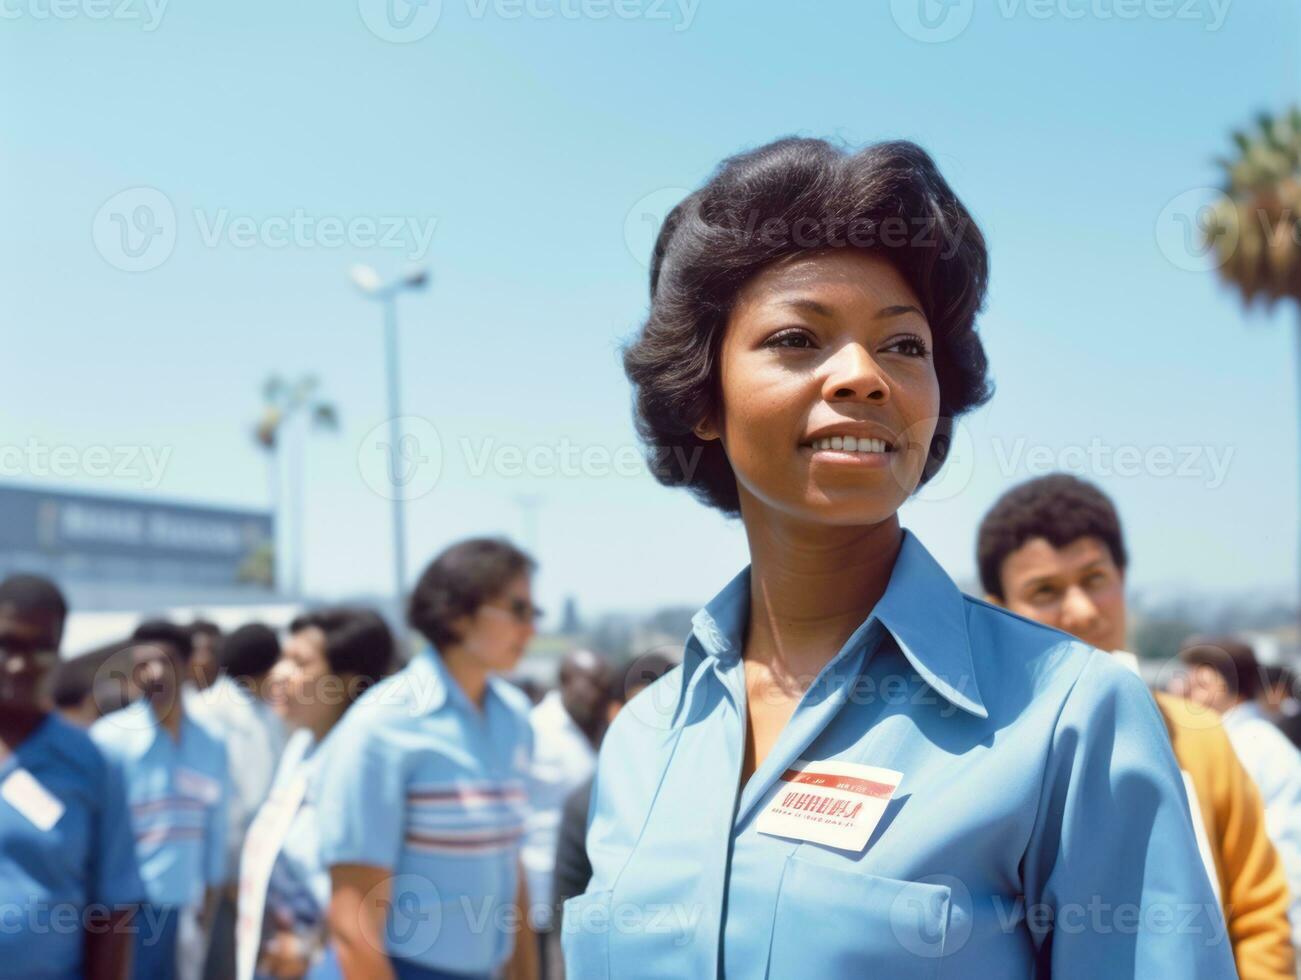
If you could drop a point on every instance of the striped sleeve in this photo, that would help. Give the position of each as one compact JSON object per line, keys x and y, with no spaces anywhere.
{"x":360,"y":790}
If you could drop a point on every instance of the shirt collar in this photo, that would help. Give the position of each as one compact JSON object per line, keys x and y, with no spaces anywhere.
{"x":144,"y":729}
{"x":1244,"y":710}
{"x":230,"y":689}
{"x":922,"y":609}
{"x":429,"y":681}
{"x":432,"y":686}
{"x":718,"y":627}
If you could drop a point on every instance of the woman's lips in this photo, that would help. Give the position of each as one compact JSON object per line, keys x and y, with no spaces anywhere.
{"x":849,"y":457}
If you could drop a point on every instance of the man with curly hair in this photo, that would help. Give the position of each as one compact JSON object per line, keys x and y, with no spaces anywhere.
{"x":1052,"y":550}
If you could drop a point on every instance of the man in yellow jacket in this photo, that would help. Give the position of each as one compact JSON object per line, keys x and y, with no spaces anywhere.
{"x":1052,"y":550}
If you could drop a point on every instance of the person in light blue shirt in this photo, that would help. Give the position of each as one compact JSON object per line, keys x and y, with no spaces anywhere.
{"x":68,"y":879}
{"x":421,"y":792}
{"x":329,"y":659}
{"x":177,"y":787}
{"x":858,"y":770}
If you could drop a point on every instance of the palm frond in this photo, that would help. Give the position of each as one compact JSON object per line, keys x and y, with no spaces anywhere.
{"x":1255,"y":230}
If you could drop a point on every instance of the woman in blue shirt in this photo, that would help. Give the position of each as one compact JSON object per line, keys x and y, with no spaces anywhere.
{"x":858,"y":770}
{"x":422,"y":790}
{"x":329,"y":659}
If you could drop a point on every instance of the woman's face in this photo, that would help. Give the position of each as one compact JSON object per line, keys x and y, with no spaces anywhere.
{"x":312,"y":695}
{"x":500,"y":629}
{"x":827,"y":345}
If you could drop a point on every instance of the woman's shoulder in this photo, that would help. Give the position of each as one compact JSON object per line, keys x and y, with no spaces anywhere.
{"x":643,"y":725}
{"x":1031,"y":665}
{"x":654,"y":707}
{"x":393,"y":703}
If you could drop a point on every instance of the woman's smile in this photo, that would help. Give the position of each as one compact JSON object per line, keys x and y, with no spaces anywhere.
{"x":868,"y":453}
{"x":862,"y":445}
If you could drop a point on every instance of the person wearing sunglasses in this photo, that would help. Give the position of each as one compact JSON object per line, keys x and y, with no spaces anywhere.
{"x":422,"y":789}
{"x":858,"y":770}
{"x":69,"y":884}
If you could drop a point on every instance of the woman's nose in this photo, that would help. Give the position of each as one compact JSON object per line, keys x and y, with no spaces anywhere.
{"x":855,"y":376}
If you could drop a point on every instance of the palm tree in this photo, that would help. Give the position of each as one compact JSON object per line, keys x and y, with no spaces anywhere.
{"x":281,"y":403}
{"x":1255,"y":228}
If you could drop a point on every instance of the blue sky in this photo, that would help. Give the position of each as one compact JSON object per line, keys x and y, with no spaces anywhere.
{"x":532,"y":147}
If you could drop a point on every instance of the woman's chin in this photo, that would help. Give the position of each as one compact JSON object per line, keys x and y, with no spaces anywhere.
{"x":504,"y":664}
{"x":840,"y":507}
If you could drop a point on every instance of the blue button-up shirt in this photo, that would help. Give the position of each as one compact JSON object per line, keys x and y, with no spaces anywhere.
{"x":57,"y":883}
{"x":178,"y":791}
{"x":417,"y":779}
{"x":1040,"y":827}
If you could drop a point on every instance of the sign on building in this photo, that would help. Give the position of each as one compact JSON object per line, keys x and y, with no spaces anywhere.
{"x":72,"y":537}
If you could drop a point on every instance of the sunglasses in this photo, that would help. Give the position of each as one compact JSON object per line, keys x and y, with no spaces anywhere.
{"x":15,"y":651}
{"x":521,"y":610}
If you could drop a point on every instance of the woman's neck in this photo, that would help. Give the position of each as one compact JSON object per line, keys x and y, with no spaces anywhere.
{"x":811,"y":586}
{"x":469,"y":676}
{"x":321,"y":727}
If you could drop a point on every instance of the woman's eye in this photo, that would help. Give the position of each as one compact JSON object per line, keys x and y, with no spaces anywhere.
{"x":912,"y":346}
{"x":797,"y":339}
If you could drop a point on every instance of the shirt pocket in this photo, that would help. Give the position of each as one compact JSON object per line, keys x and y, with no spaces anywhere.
{"x":841,"y":922}
{"x":585,"y":936}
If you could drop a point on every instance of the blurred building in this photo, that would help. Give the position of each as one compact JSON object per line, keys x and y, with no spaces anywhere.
{"x":120,"y":558}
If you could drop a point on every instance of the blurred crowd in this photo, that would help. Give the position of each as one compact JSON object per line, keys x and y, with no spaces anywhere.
{"x":334,"y":800}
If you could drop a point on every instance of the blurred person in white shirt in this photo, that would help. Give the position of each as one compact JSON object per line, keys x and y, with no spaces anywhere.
{"x":567,"y":727}
{"x":236,"y":708}
{"x":1223,"y":674}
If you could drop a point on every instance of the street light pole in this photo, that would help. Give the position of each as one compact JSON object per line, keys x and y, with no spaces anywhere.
{"x":368,"y":281}
{"x":395,"y":435}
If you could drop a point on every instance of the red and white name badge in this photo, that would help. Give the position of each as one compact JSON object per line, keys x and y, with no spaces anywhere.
{"x":834,"y":803}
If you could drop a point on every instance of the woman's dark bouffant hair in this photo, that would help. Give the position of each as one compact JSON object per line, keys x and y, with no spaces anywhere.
{"x":357,"y":642}
{"x":786,"y":198}
{"x":459,"y":581}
